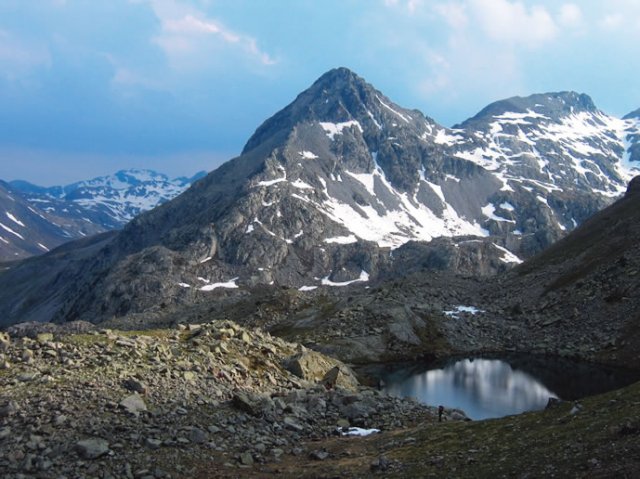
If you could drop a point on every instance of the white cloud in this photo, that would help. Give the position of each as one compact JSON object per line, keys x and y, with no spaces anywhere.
{"x":187,"y":36}
{"x":571,"y":16}
{"x":19,"y":56}
{"x":190,"y":25}
{"x":513,"y":22}
{"x":455,"y":14}
{"x":410,"y":6}
{"x":510,"y":21}
{"x":612,"y":21}
{"x":413,"y":5}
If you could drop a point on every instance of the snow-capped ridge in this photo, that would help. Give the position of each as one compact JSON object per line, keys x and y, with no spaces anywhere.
{"x":110,"y":200}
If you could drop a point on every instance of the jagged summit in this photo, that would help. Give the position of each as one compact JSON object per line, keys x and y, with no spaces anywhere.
{"x":339,"y":96}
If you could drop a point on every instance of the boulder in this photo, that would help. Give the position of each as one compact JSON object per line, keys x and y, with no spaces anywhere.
{"x":135,"y":385}
{"x":5,"y":341}
{"x":133,"y":404}
{"x":340,"y":377}
{"x":44,"y":338}
{"x":253,"y":404}
{"x":313,"y":366}
{"x":92,"y":448}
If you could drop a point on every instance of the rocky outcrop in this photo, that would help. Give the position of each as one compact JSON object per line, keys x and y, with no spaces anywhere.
{"x":315,"y":367}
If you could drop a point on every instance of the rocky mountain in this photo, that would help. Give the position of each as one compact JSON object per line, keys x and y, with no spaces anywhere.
{"x":26,"y":230}
{"x":581,"y":294}
{"x":107,"y":201}
{"x":344,"y":186}
{"x":51,"y":216}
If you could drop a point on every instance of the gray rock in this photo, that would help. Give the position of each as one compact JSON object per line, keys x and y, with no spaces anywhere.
{"x":340,"y":377}
{"x":8,"y":409}
{"x":135,"y":385}
{"x":380,"y":464}
{"x":92,"y":448}
{"x":197,"y":435}
{"x":319,"y":455}
{"x":292,"y":424}
{"x":153,"y":443}
{"x":253,"y":404}
{"x":133,"y":404}
{"x":314,"y":366}
{"x":27,"y":377}
{"x":5,"y":341}
{"x":27,"y":356}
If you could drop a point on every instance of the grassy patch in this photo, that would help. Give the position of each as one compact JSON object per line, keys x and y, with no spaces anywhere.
{"x":84,"y":340}
{"x":600,"y":440}
{"x":152,"y":333}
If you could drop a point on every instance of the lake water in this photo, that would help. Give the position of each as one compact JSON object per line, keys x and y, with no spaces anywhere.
{"x":489,"y":387}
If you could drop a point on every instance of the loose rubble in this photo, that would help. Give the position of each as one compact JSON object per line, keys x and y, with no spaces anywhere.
{"x":156,"y":403}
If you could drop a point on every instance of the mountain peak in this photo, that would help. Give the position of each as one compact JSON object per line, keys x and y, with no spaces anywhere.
{"x":553,"y":105}
{"x":337,"y":96}
{"x":338,"y":72}
{"x":337,"y":78}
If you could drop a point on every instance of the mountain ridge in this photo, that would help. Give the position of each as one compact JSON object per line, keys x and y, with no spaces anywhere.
{"x":84,"y":208}
{"x":328,"y":188}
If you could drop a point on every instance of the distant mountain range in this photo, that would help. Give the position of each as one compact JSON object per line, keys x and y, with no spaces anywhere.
{"x":344,"y":186}
{"x":37,"y":219}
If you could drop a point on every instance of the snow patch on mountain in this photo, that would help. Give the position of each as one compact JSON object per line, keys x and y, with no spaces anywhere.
{"x":333,"y":129}
{"x":9,"y":230}
{"x":389,"y":223}
{"x":508,"y":256}
{"x":231,"y":284}
{"x":308,"y":155}
{"x":443,"y":137}
{"x":342,"y":239}
{"x":364,"y":277}
{"x":490,"y":212}
{"x":14,"y":219}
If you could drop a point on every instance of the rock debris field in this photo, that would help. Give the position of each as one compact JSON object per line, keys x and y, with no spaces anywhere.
{"x":168,"y":403}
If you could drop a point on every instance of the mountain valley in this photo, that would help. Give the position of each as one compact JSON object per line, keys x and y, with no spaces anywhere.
{"x":226,"y":332}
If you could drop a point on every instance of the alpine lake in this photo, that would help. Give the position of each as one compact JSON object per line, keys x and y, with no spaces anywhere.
{"x":492,"y":387}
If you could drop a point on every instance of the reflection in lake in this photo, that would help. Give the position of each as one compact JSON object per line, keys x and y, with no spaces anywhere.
{"x":483,"y":388}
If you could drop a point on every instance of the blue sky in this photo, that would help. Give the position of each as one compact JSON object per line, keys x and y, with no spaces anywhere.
{"x":91,"y":86}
